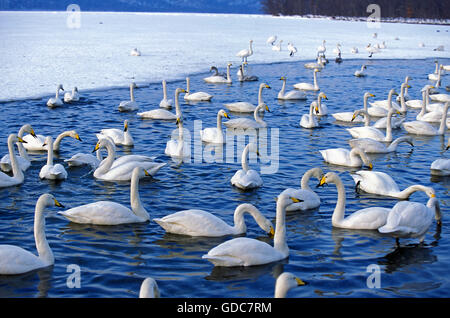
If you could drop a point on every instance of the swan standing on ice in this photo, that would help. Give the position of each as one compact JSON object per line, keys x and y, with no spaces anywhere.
{"x":112,"y":213}
{"x":197,"y":96}
{"x":245,"y":53}
{"x":277,"y":47}
{"x":246,"y":107}
{"x":247,"y":178}
{"x":364,"y":219}
{"x":218,"y":79}
{"x":292,"y":49}
{"x":308,"y":86}
{"x":201,"y":223}
{"x":56,"y":101}
{"x":165,"y":103}
{"x":286,"y":282}
{"x":215,"y":134}
{"x":291,"y":95}
{"x":361,"y":73}
{"x":23,"y":159}
{"x":245,"y":123}
{"x":17,"y":177}
{"x":15,"y":260}
{"x":243,"y":251}
{"x":120,"y":137}
{"x":380,"y":183}
{"x":343,"y":157}
{"x":271,"y":39}
{"x":164,"y":114}
{"x":321,"y":49}
{"x":52,"y":171}
{"x":73,"y":96}
{"x":372,"y":49}
{"x":129,"y":105}
{"x":135,"y":52}
{"x":310,"y":199}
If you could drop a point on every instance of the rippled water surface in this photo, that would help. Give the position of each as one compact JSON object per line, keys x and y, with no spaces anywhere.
{"x":114,"y":260}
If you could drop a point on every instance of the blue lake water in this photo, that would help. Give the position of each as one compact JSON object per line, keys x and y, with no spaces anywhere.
{"x":114,"y":260}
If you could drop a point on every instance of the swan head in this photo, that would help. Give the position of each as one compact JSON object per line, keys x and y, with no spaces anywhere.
{"x":74,"y":135}
{"x":103,"y":143}
{"x":367,"y":95}
{"x":322,"y":95}
{"x":263,"y":106}
{"x":149,"y":289}
{"x":180,"y":90}
{"x":264,"y":85}
{"x":316,"y":70}
{"x":60,"y":87}
{"x":125,"y":125}
{"x":283,"y":200}
{"x":359,"y":112}
{"x":48,"y":140}
{"x":133,"y":85}
{"x":285,"y":282}
{"x":252,"y":147}
{"x":363,"y":156}
{"x":49,"y":200}
{"x":317,"y":173}
{"x":13,"y":138}
{"x":223,"y":113}
{"x":27,"y":128}
{"x":393,"y":92}
{"x":282,"y":78}
{"x":427,"y":88}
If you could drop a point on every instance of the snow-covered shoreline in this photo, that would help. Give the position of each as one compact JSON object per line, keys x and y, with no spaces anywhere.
{"x":39,"y":51}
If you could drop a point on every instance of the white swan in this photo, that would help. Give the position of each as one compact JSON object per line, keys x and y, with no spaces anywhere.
{"x":372,"y":132}
{"x":440,"y":98}
{"x":121,"y":169}
{"x":165,"y":102}
{"x":202,"y":223}
{"x":197,"y":96}
{"x":246,"y":107}
{"x":277,"y":47}
{"x":432,"y":116}
{"x":369,"y":145}
{"x":348,"y":116}
{"x":245,"y":123}
{"x":15,"y":260}
{"x":135,"y":52}
{"x":271,"y":39}
{"x":372,"y":49}
{"x":242,"y":74}
{"x":218,"y":79}
{"x":52,"y":171}
{"x":245,"y":53}
{"x":112,"y":213}
{"x":70,"y":97}
{"x":308,"y":86}
{"x":291,"y":95}
{"x":164,"y":114}
{"x":322,"y":109}
{"x":23,"y":159}
{"x":411,"y":219}
{"x":360,"y":73}
{"x":215,"y":134}
{"x":418,"y":103}
{"x":149,"y":289}
{"x":37,"y":143}
{"x":243,"y":251}
{"x":247,"y":178}
{"x":285,"y":282}
{"x":310,"y":120}
{"x":310,"y":199}
{"x":17,"y":177}
{"x":178,"y":148}
{"x":387,"y":103}
{"x":81,"y":159}
{"x":406,"y":96}
{"x":436,"y":76}
{"x":292,"y":49}
{"x":354,"y":50}
{"x":441,"y":166}
{"x":319,"y":64}
{"x":418,"y":127}
{"x":56,"y":101}
{"x":380,"y":183}
{"x":321,"y":49}
{"x":344,"y":157}
{"x":119,"y":136}
{"x":129,"y":105}
{"x":364,"y":219}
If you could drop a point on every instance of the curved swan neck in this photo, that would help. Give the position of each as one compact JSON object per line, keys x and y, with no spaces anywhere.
{"x":423,"y":110}
{"x":406,"y":193}
{"x":307,"y":176}
{"x":135,"y":199}
{"x":393,"y":146}
{"x":279,"y":240}
{"x":256,"y":115}
{"x":107,"y":163}
{"x":58,"y":140}
{"x":22,"y":151}
{"x":402,"y":97}
{"x":17,"y":171}
{"x":356,"y":154}
{"x":239,"y":221}
{"x":443,"y":125}
{"x":433,"y":204}
{"x":44,"y":251}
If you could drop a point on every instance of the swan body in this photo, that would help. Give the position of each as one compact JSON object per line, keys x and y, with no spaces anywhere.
{"x":37,"y":143}
{"x":348,"y":116}
{"x":163,"y":114}
{"x":52,"y":171}
{"x":310,"y":199}
{"x":245,"y":123}
{"x":372,"y":49}
{"x":360,"y":73}
{"x":364,"y":219}
{"x":372,"y":132}
{"x":129,"y":105}
{"x":74,"y":96}
{"x":437,"y":75}
{"x":285,"y":282}
{"x":441,"y":98}
{"x":291,"y":95}
{"x":271,"y":39}
{"x":23,"y":159}
{"x":120,"y":137}
{"x":292,"y":49}
{"x":344,"y":157}
{"x":202,"y":223}
{"x":319,"y":64}
{"x":165,"y":102}
{"x":149,"y":289}
{"x":245,"y":53}
{"x":369,"y":145}
{"x":310,"y":120}
{"x":56,"y":101}
{"x":218,"y":79}
{"x":121,"y":169}
{"x":243,"y":251}
{"x":215,"y":134}
{"x":197,"y":96}
{"x":411,"y":219}
{"x":81,"y":159}
{"x":321,"y":49}
{"x":380,"y":183}
{"x":309,"y":86}
{"x":247,"y":178}
{"x":178,"y":148}
{"x":440,"y":167}
{"x":109,"y":212}
{"x":277,"y":47}
{"x":17,"y":177}
{"x":246,"y":107}
{"x":15,"y":260}
{"x":135,"y":52}
{"x":418,"y":127}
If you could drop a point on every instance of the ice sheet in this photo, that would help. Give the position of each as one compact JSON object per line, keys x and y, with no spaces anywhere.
{"x":38,"y":50}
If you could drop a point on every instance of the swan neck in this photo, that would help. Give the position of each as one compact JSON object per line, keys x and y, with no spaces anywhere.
{"x":393,"y":146}
{"x":135,"y":199}
{"x":164,"y":89}
{"x":433,"y":204}
{"x":228,"y":73}
{"x":17,"y":172}
{"x":279,"y":239}
{"x":177,"y":104}
{"x":315,"y":79}
{"x":50,"y":152}
{"x":339,"y":210}
{"x":389,"y":126}
{"x":402,"y":98}
{"x":107,"y":163}
{"x":256,"y":115}
{"x":304,"y":183}
{"x":43,"y":249}
{"x":260,"y":101}
{"x":239,"y":221}
{"x":406,"y":193}
{"x":443,"y":125}
{"x":58,"y":140}
{"x":244,"y":158}
{"x":366,"y":97}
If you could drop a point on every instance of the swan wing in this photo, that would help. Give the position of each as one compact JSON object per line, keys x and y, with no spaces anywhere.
{"x":375,"y":182}
{"x":367,"y":219}
{"x":158,"y":114}
{"x":418,"y":127}
{"x":368,"y":145}
{"x":34,"y":144}
{"x":241,"y":107}
{"x":338,"y":156}
{"x":366,"y":132}
{"x":441,"y":167}
{"x":246,"y":180}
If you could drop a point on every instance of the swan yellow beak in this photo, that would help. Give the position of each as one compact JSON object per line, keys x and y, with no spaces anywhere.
{"x":267,"y":107}
{"x":407,"y":85}
{"x":324,"y":96}
{"x":21,"y":140}
{"x":267,"y":86}
{"x":295,"y":200}
{"x":97,"y":146}
{"x":299,"y":282}
{"x":432,"y":86}
{"x":258,"y":154}
{"x":77,"y":137}
{"x":226,"y":115}
{"x":272,"y":231}
{"x":371,"y":95}
{"x":282,"y":78}
{"x":370,"y":166}
{"x":146,"y":173}
{"x":433,"y":195}
{"x":353,"y":117}
{"x":322,"y":181}
{"x":58,"y":204}
{"x":395,"y":93}
{"x":32,"y":133}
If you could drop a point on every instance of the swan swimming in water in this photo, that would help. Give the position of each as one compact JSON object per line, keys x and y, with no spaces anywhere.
{"x":308,"y":86}
{"x":165,"y":102}
{"x":218,"y":78}
{"x":164,"y":114}
{"x":291,"y":95}
{"x":56,"y":101}
{"x":245,"y":123}
{"x":18,"y":176}
{"x":37,"y":143}
{"x":197,"y":96}
{"x":23,"y":159}
{"x":52,"y":171}
{"x":120,"y":137}
{"x":246,"y":107}
{"x":247,"y":178}
{"x":70,"y":97}
{"x":215,"y":134}
{"x":344,"y":157}
{"x":285,"y":282}
{"x":129,"y":105}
